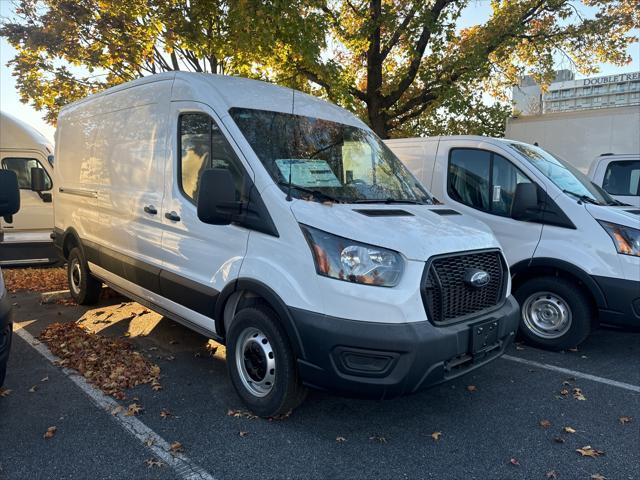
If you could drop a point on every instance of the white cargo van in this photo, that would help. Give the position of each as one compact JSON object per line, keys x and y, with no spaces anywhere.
{"x":24,"y":150}
{"x":9,"y":206}
{"x":281,"y":225}
{"x":618,"y":175}
{"x":574,"y":252}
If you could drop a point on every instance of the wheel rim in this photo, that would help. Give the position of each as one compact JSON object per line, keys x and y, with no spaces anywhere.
{"x":75,"y":276}
{"x":255,"y":362}
{"x":546,"y":314}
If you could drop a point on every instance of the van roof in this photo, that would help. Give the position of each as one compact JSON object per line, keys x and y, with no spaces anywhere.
{"x":237,"y":92}
{"x":451,"y":138}
{"x":18,"y":135}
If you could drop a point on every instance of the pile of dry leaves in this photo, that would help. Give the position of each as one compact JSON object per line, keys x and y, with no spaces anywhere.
{"x":35,"y":279}
{"x":109,"y":363}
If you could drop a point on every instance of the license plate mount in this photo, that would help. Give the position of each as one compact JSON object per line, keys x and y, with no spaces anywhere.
{"x":484,"y":336}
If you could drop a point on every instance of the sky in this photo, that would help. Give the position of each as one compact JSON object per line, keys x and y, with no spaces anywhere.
{"x":477,"y":12}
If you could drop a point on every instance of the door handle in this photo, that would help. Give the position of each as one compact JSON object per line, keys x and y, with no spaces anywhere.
{"x":150,"y":209}
{"x":173,"y":216}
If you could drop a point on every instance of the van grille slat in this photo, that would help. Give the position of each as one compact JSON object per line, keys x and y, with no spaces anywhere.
{"x":446,"y":295}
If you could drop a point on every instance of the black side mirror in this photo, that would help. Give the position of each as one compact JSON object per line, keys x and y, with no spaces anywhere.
{"x":525,"y":200}
{"x":9,"y":194}
{"x":217,"y":203}
{"x":38,"y":183}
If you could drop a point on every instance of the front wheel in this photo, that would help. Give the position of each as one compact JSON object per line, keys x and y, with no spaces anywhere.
{"x":261,"y":363}
{"x":555,"y":313}
{"x":84,"y":287}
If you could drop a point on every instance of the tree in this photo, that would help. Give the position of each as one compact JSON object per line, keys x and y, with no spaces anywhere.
{"x":403,"y":66}
{"x":67,"y":49}
{"x":403,"y":63}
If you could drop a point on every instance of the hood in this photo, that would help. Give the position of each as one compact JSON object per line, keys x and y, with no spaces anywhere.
{"x":627,"y":215}
{"x":416,"y":231}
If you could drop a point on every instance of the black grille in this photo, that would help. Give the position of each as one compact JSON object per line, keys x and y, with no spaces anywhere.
{"x":447,"y":297}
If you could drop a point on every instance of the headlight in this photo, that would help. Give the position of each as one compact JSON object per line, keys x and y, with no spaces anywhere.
{"x":351,"y":261}
{"x":626,"y":239}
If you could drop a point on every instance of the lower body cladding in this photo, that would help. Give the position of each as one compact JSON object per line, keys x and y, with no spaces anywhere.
{"x":383,"y":360}
{"x":5,"y":333}
{"x":622,"y":301}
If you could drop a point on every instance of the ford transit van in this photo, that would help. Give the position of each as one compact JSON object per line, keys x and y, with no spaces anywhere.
{"x":24,"y":150}
{"x":9,"y":205}
{"x":574,"y":251}
{"x":280,"y":225}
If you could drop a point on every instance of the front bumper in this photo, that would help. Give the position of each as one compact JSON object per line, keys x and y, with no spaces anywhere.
{"x":383,"y":360}
{"x":623,"y":301}
{"x":5,"y":327}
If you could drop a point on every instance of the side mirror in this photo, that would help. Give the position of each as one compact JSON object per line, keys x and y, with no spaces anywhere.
{"x":9,"y":194}
{"x":38,"y":182}
{"x":217,"y":203}
{"x":525,"y":200}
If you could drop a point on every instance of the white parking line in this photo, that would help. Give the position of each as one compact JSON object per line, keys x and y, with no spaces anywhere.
{"x":575,"y":374}
{"x":183,"y":466}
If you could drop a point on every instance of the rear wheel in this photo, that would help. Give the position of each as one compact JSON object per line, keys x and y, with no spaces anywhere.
{"x":261,"y":363}
{"x":555,"y":313}
{"x":7,"y":348}
{"x":84,"y":287}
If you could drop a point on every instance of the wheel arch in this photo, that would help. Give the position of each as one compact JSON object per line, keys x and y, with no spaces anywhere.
{"x":527,"y":269}
{"x":246,"y":292}
{"x":69,"y":240}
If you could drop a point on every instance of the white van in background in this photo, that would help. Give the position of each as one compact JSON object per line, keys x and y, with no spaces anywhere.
{"x":574,"y":252}
{"x":618,"y":175}
{"x":281,"y":225}
{"x":28,"y":239}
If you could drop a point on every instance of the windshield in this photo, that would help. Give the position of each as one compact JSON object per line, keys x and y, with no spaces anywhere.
{"x":566,"y":177}
{"x":325,"y":160}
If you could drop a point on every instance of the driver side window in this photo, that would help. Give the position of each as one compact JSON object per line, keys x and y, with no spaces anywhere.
{"x":483,"y":180}
{"x":202,"y":146}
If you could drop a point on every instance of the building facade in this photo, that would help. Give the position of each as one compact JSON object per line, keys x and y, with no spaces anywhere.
{"x":566,"y":94}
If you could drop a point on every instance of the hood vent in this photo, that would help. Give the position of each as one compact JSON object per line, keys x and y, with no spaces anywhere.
{"x":445,"y":211}
{"x":385,"y":213}
{"x":635,"y":212}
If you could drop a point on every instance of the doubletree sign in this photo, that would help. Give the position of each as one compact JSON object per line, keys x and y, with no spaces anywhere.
{"x":625,"y":77}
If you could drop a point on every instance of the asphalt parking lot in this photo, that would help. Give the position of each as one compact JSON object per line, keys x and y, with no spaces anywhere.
{"x":504,"y":421}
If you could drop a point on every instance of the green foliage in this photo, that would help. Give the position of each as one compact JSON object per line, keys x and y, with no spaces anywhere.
{"x":403,"y":66}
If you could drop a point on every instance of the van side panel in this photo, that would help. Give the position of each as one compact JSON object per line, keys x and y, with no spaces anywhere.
{"x":418,"y":155}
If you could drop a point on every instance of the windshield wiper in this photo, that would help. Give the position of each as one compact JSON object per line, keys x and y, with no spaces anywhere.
{"x":316,"y":193}
{"x":584,"y":198}
{"x":389,"y":201}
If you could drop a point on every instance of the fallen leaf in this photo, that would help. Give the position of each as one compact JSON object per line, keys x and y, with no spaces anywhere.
{"x":377,"y":439}
{"x":133,"y":410}
{"x":165,"y":413}
{"x":472,"y":388}
{"x":149,"y":442}
{"x":588,"y":451}
{"x":552,"y":474}
{"x":170,"y":358}
{"x":176,"y":447}
{"x":243,"y":434}
{"x":117,"y":410}
{"x":340,"y":439}
{"x":598,"y":476}
{"x":36,"y":279}
{"x":154,"y":463}
{"x":241,"y":414}
{"x":283,"y":416}
{"x":625,"y":420}
{"x":544,"y":423}
{"x":33,"y":389}
{"x":45,"y":379}
{"x":558,"y":439}
{"x":574,"y":349}
{"x":173,"y":342}
{"x":51,"y":431}
{"x":436,"y":436}
{"x":5,"y":392}
{"x":514,"y":461}
{"x":578,"y":395}
{"x":156,"y":387}
{"x":569,"y":430}
{"x":564,"y":392}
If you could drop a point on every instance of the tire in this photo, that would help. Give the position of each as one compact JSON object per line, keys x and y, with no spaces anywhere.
{"x":3,"y":372}
{"x":3,"y":364}
{"x":261,"y":363}
{"x":555,"y":313}
{"x":84,"y":287}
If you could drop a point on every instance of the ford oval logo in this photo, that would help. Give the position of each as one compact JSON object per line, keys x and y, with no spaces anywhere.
{"x":476,"y":278}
